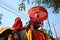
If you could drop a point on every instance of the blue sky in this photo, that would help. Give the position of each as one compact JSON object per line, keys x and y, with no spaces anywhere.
{"x":8,"y":17}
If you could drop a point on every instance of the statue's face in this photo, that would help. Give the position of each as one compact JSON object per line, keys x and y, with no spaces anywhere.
{"x":17,"y":20}
{"x":38,"y":24}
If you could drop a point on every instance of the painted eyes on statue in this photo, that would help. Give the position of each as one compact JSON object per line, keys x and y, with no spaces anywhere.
{"x":38,"y":22}
{"x":35,"y":9}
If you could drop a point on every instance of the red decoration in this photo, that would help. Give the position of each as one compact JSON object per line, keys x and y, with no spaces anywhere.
{"x":17,"y":24}
{"x":38,"y":35}
{"x":38,"y":12}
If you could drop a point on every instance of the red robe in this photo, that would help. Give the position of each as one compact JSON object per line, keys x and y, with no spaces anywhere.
{"x":38,"y":35}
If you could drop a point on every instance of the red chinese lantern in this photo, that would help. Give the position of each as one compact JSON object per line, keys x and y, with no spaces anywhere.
{"x":38,"y":12}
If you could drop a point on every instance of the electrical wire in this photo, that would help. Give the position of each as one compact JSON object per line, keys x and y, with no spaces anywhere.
{"x":15,"y":12}
{"x":11,"y":11}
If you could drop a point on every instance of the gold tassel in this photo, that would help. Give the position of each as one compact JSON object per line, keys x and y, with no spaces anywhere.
{"x":10,"y":37}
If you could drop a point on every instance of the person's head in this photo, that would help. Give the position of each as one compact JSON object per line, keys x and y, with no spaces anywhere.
{"x":18,"y":21}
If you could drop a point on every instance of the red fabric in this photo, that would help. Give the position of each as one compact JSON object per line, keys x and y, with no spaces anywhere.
{"x":41,"y":11}
{"x":17,"y":24}
{"x":38,"y":35}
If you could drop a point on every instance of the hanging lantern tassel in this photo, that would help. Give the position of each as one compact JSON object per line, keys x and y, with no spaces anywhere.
{"x":1,"y":16}
{"x":28,"y":1}
{"x":38,"y":2}
{"x":0,"y":22}
{"x":21,"y":7}
{"x":18,"y":7}
{"x":24,"y":8}
{"x":33,"y":1}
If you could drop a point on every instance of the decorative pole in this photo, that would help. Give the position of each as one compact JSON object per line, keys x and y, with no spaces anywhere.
{"x":47,"y":28}
{"x":50,"y":32}
{"x":55,"y":31}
